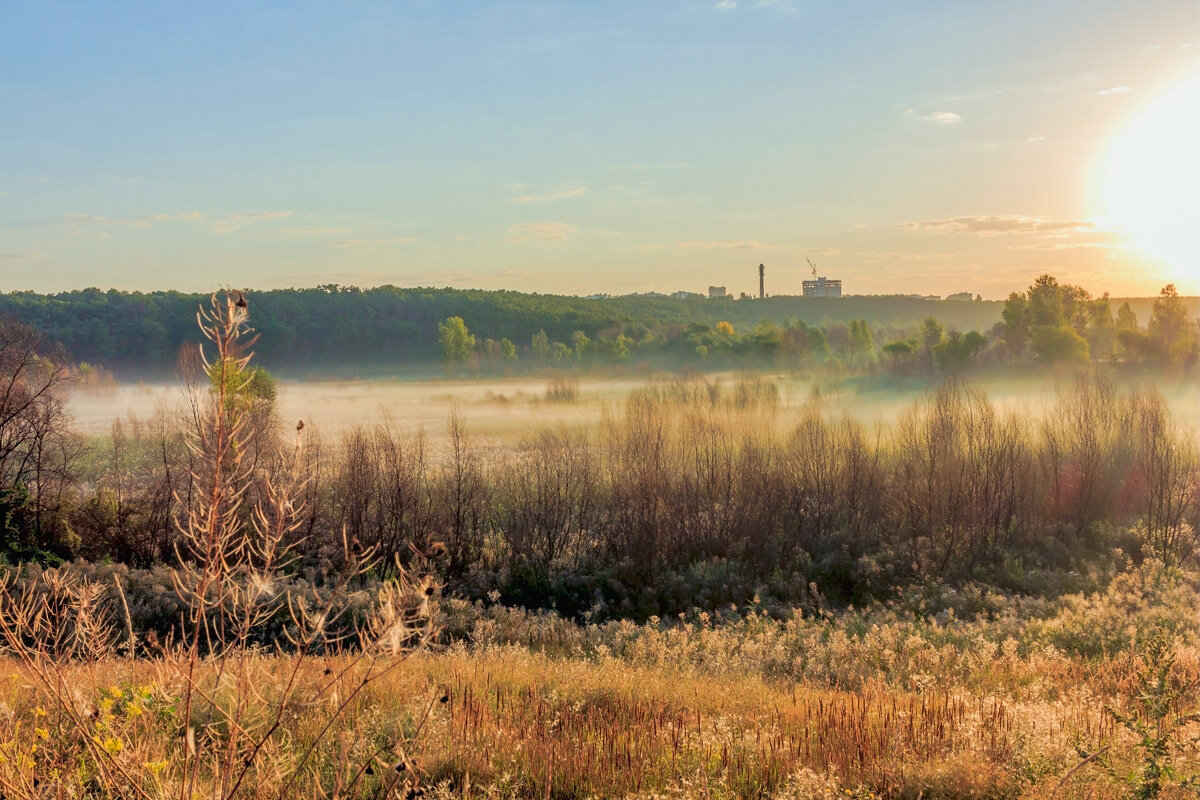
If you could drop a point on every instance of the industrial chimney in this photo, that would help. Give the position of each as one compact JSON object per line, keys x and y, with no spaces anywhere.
{"x":762,"y":293}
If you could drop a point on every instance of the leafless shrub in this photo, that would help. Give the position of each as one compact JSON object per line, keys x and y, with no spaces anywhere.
{"x":563,"y":390}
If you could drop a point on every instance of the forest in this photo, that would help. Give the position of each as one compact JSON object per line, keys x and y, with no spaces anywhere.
{"x":338,"y":331}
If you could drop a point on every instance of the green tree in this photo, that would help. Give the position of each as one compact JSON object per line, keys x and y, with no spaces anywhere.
{"x":1126,"y":318}
{"x":1016,"y":332}
{"x":1059,"y":344}
{"x":902,"y":356}
{"x":540,"y":347}
{"x":580,"y":342}
{"x":958,"y":351}
{"x":932,"y":335}
{"x":1170,"y":333}
{"x":900,"y":349}
{"x":457,"y":342}
{"x":508,"y":352}
{"x":1101,"y":329}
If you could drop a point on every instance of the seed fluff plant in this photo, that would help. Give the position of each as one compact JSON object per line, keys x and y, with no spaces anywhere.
{"x":244,"y":715}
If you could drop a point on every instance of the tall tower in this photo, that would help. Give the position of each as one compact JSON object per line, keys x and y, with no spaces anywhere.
{"x":762,"y":271}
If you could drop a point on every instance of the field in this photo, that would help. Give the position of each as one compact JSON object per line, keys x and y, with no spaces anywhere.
{"x":735,"y":586}
{"x":939,"y":692}
{"x":863,"y":704}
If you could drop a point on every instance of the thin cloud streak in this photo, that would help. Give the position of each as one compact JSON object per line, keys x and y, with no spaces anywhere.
{"x":540,"y":232}
{"x":1000,"y":225}
{"x":235,"y":222}
{"x":546,"y":198}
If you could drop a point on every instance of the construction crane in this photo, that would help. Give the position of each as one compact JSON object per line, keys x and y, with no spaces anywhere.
{"x":811,"y":264}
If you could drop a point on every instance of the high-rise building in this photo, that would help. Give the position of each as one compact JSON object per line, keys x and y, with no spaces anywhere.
{"x":823,"y":287}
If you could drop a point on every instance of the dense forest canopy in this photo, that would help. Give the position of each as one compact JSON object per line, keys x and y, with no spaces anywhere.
{"x":347,"y":327}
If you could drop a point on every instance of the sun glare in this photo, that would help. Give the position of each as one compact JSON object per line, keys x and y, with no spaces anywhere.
{"x":1153,"y":179}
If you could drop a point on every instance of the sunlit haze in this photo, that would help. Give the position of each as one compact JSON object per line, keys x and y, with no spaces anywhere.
{"x":610,"y":147}
{"x":1153,"y":180}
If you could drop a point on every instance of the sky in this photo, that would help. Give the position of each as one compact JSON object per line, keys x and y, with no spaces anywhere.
{"x":599,"y":147}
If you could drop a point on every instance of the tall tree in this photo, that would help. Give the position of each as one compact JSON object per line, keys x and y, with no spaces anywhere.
{"x":456,"y":341}
{"x":1172,"y":336}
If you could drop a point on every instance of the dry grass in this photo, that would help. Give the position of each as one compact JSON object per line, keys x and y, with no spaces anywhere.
{"x":863,"y":704}
{"x":510,"y":722}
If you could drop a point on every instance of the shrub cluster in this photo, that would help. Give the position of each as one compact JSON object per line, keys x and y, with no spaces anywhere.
{"x":703,"y":495}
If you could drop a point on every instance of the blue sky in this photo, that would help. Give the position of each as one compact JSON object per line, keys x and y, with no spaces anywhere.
{"x":576,"y":147}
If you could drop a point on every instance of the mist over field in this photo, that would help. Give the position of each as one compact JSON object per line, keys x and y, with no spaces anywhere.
{"x":498,"y":409}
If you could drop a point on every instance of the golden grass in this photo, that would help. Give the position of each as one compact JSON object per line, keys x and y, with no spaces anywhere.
{"x":509,"y":722}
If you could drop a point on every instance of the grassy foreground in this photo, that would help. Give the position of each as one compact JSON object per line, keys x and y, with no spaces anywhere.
{"x":866,"y":704}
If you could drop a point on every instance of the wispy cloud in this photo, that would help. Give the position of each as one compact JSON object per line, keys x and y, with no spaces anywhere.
{"x":546,"y":198}
{"x":540,"y":231}
{"x":686,"y":247}
{"x":184,"y":216}
{"x":315,"y":230}
{"x":1000,"y":225}
{"x":21,"y":256}
{"x":377,"y":242}
{"x":725,"y":5}
{"x":82,"y":222}
{"x":235,"y":222}
{"x":874,"y":257}
{"x":826,"y":251}
{"x":1070,"y":245}
{"x":740,"y":244}
{"x":94,"y":225}
{"x":655,"y":165}
{"x":1115,"y":90}
{"x":942,"y":117}
{"x":779,"y":5}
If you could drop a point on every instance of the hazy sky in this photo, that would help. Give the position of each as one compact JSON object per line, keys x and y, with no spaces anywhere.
{"x":585,"y":147}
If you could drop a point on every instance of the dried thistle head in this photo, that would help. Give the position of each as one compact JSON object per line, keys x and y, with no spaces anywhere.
{"x":402,"y":619}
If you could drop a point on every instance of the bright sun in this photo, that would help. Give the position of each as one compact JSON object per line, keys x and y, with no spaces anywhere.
{"x":1153,"y":179}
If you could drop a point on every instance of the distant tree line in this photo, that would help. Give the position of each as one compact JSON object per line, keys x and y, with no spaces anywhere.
{"x":331,"y":328}
{"x":1050,"y":324}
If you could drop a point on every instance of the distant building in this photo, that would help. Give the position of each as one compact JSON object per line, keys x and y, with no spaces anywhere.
{"x":717,"y":291}
{"x":598,"y":297}
{"x":961,"y":297}
{"x":685,"y":295}
{"x":823,"y":287}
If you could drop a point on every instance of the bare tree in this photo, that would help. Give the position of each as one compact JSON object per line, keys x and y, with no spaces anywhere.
{"x":37,"y":448}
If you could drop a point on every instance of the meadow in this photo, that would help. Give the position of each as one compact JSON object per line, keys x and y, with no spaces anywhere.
{"x":861,"y":703}
{"x":725,"y":586}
